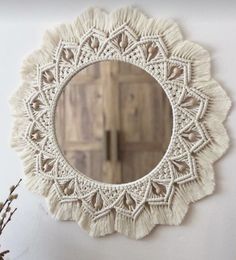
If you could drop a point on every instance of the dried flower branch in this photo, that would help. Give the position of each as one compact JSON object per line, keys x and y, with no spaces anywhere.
{"x":2,"y":254}
{"x":6,"y":212}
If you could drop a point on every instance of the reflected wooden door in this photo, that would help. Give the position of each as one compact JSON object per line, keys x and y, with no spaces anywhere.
{"x":113,"y":122}
{"x":145,"y":122}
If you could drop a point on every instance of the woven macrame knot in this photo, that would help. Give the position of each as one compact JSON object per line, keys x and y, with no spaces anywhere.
{"x":189,"y":102}
{"x":97,"y":201}
{"x":175,"y":72}
{"x":191,"y":136}
{"x":36,"y":135}
{"x":36,"y":104}
{"x":180,"y":166}
{"x":152,"y":51}
{"x":157,"y":188}
{"x":123,"y":41}
{"x":68,"y":55}
{"x":48,"y":76}
{"x":94,"y":43}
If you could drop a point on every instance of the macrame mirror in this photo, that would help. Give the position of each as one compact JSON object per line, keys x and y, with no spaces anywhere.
{"x":118,"y":122}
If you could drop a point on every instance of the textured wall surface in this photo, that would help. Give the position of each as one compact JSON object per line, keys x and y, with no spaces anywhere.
{"x":208,"y":231}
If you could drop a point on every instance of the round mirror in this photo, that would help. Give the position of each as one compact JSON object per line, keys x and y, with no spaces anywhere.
{"x":113,"y":122}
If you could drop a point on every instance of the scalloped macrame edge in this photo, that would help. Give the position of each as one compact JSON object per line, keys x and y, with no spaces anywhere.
{"x":218,"y":108}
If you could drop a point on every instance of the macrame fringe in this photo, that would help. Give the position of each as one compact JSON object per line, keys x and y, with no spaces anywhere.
{"x":218,"y":108}
{"x":200,"y":79}
{"x":103,"y":226}
{"x":199,"y":57}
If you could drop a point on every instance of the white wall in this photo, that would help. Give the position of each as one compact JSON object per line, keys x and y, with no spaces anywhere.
{"x":209,"y":230}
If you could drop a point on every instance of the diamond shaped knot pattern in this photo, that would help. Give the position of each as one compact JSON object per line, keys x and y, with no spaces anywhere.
{"x":199,"y":107}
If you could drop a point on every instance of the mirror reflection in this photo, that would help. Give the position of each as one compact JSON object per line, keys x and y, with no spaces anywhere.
{"x":113,"y":122}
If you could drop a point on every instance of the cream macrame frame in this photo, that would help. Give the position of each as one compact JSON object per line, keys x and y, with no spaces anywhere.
{"x":199,"y":106}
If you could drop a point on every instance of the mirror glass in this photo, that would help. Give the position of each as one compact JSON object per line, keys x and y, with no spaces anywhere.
{"x":113,"y":122}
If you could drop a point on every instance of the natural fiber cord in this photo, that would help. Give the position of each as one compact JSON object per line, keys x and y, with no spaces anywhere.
{"x":199,"y":107}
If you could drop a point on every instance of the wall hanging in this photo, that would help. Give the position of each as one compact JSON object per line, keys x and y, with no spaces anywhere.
{"x":118,"y":122}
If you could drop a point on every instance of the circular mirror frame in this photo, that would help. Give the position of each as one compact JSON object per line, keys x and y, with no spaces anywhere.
{"x":199,"y":107}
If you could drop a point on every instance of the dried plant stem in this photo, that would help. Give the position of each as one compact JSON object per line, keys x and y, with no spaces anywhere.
{"x":6,"y":213}
{"x":4,"y":252}
{"x":11,"y":192}
{"x":8,"y":220}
